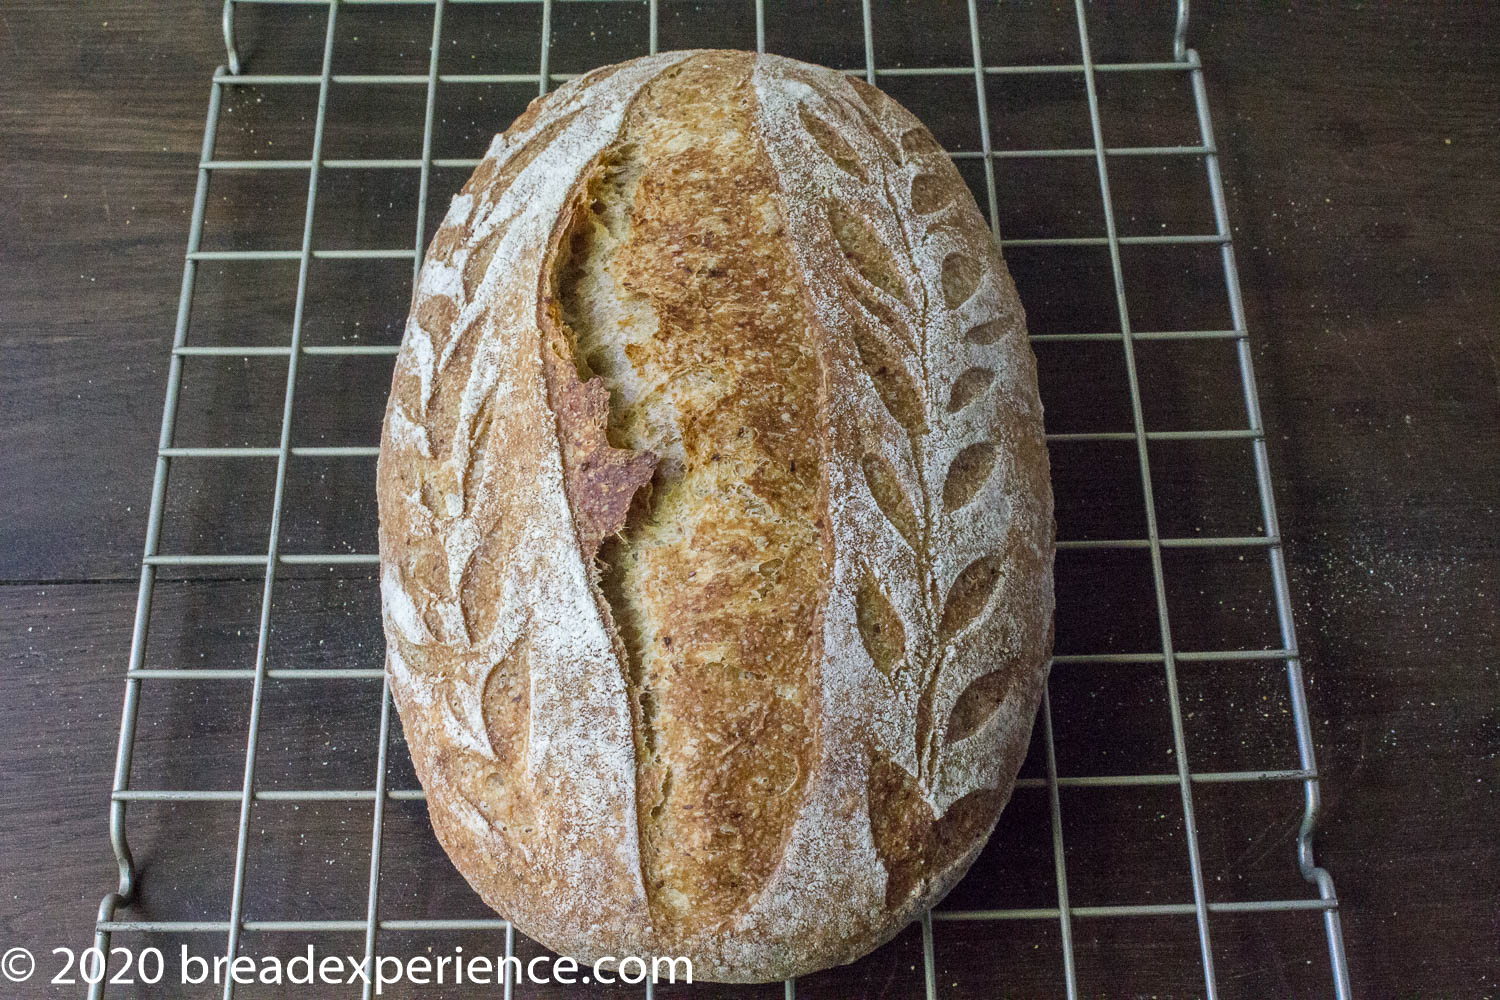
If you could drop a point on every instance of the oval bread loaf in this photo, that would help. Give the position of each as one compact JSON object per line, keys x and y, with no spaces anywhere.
{"x":715,"y":525}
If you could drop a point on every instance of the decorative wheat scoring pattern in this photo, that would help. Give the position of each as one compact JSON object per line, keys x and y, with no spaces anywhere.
{"x":445,"y":412}
{"x":493,"y":635}
{"x":921,"y":303}
{"x":928,"y":681}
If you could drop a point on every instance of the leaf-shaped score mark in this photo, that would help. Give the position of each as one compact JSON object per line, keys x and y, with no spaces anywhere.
{"x":985,"y":333}
{"x":504,"y":794}
{"x":912,"y":844}
{"x":890,"y":323}
{"x":970,"y":470}
{"x":892,"y":500}
{"x":832,"y":144}
{"x":879,"y":626}
{"x":479,"y":259}
{"x":505,"y":706}
{"x":969,"y":594}
{"x":866,"y":252}
{"x":478,"y":458}
{"x":436,"y":316}
{"x":894,"y":384}
{"x":979,"y":701}
{"x":918,"y":146}
{"x":930,"y":193}
{"x":968,"y":386}
{"x":961,"y":277}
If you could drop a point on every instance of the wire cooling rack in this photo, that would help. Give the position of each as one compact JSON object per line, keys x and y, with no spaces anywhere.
{"x":1119,"y":868}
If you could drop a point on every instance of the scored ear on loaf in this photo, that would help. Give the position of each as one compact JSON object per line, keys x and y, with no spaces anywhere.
{"x":715,"y":523}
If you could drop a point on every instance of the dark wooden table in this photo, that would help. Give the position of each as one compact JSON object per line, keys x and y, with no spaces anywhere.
{"x":1362,"y":159}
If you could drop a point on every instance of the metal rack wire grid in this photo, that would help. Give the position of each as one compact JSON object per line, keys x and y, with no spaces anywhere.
{"x":1175,"y":657}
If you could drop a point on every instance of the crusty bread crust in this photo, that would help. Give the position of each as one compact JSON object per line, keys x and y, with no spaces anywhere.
{"x":682,"y":292}
{"x":716,"y":533}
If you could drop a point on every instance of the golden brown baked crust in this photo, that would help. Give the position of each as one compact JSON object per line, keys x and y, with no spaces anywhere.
{"x":716,"y":531}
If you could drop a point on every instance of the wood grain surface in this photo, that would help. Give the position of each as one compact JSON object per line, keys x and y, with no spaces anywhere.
{"x":1360,"y":152}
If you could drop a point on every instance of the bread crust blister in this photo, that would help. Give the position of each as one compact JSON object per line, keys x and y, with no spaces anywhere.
{"x":716,"y":534}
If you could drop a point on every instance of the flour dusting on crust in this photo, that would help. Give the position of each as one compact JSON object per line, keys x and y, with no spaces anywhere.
{"x":831,"y":853}
{"x":483,"y":471}
{"x":934,"y":625}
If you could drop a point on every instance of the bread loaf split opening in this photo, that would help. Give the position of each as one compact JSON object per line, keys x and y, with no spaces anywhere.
{"x":674,"y":289}
{"x":601,"y":320}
